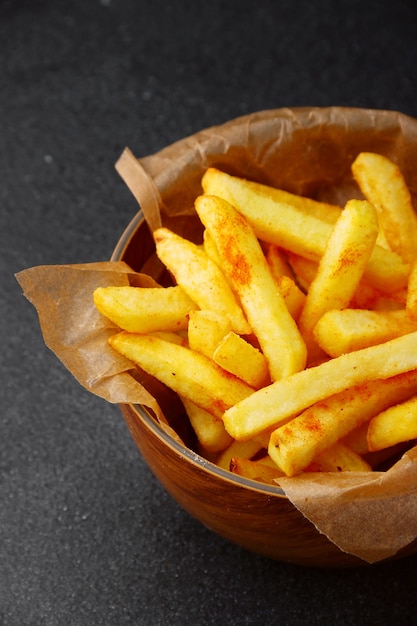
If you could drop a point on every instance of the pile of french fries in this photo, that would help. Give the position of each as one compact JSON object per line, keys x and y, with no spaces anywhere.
{"x":290,"y":332}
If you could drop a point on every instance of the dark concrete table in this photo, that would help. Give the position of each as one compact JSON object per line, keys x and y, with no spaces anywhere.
{"x":87,"y":535}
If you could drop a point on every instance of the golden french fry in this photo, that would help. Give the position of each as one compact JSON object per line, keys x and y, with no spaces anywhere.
{"x":383,"y":184}
{"x":199,"y":276}
{"x":210,"y":431}
{"x":339,"y":458}
{"x":272,"y":406}
{"x":323,"y":210}
{"x":244,"y":262}
{"x":237,"y":356}
{"x":205,"y":331}
{"x":273,"y":221}
{"x":296,"y":444}
{"x":394,"y":425}
{"x":342,"y":265}
{"x":189,"y":373}
{"x":340,"y":331}
{"x":255,"y":470}
{"x":145,"y":309}
{"x":241,"y":449}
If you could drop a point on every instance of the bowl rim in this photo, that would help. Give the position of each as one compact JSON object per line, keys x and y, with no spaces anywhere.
{"x":194,"y":457}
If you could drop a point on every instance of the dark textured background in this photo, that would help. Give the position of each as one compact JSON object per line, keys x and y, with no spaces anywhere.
{"x":87,"y":536}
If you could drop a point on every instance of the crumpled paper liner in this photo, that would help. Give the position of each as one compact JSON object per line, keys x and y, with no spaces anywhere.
{"x":369,"y":514}
{"x":307,"y":151}
{"x":78,"y":334}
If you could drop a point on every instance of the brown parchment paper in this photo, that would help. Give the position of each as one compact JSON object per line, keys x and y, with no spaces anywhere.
{"x":307,"y":151}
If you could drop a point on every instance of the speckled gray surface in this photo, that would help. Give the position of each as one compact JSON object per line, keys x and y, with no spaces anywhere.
{"x":87,"y":535}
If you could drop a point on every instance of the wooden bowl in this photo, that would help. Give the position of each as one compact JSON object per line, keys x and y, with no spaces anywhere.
{"x":253,"y":515}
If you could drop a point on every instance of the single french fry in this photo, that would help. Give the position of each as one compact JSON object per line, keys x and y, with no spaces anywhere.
{"x":199,"y":276}
{"x":342,"y":265}
{"x":243,"y":261}
{"x":209,"y":430}
{"x":296,"y":444}
{"x":237,"y":356}
{"x":245,"y":450}
{"x":339,"y":458}
{"x":205,"y":331}
{"x":272,"y":406}
{"x":341,"y":331}
{"x":145,"y":309}
{"x":383,"y":184}
{"x":323,"y":210}
{"x":394,"y":425}
{"x":189,"y":373}
{"x":273,"y":221}
{"x":292,"y":229}
{"x":255,"y":470}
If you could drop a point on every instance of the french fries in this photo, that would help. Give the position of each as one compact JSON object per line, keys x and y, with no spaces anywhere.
{"x":244,"y":263}
{"x":199,"y":277}
{"x":206,"y":329}
{"x":188,"y":373}
{"x":296,"y":230}
{"x":290,"y":334}
{"x":284,"y":399}
{"x":295,"y":445}
{"x":342,"y":265}
{"x":382,"y":182}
